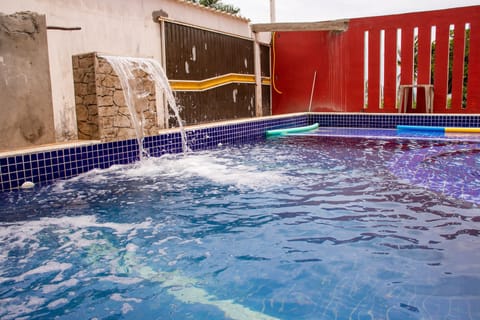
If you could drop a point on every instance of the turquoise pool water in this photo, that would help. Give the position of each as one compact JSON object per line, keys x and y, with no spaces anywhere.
{"x":300,"y":227}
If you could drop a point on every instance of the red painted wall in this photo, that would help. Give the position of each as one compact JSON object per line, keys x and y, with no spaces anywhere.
{"x":339,"y":60}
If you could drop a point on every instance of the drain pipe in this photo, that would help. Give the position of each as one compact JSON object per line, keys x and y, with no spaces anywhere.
{"x":313,"y":89}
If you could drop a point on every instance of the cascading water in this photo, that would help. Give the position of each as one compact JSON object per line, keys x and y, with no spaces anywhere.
{"x":125,"y":68}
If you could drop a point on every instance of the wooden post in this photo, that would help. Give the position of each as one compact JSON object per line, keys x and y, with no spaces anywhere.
{"x":162,"y":103}
{"x":335,"y":25}
{"x":258,"y":76}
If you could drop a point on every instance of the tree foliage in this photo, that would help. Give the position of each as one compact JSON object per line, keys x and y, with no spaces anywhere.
{"x":217,"y":4}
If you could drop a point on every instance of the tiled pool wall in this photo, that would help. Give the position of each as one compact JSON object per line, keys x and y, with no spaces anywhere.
{"x":390,"y":121}
{"x":43,"y":167}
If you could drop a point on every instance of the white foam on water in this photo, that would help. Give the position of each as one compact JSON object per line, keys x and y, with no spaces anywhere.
{"x":134,"y":272}
{"x":122,"y":280}
{"x":196,"y":241}
{"x":12,"y":308}
{"x":118,"y":297}
{"x":73,"y":232}
{"x":56,"y":303}
{"x":126,"y":308}
{"x":173,"y":169}
{"x":131,"y":247}
{"x":25,"y":231}
{"x":50,"y":266}
{"x":218,"y":170}
{"x":162,"y":241}
{"x":49,"y":288}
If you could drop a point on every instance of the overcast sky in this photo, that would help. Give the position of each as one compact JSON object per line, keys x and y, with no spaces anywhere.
{"x":319,"y":10}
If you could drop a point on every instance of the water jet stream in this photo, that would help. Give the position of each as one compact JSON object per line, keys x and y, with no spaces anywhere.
{"x":124,"y":67}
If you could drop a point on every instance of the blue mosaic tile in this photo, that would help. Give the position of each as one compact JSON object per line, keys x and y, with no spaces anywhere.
{"x":12,"y":176}
{"x":5,"y":185}
{"x":391,"y":121}
{"x":4,"y":169}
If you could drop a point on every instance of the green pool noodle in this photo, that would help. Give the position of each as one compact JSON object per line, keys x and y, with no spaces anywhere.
{"x":282,"y":132}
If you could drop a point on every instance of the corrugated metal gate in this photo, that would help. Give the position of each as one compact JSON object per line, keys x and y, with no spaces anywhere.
{"x":212,"y":74}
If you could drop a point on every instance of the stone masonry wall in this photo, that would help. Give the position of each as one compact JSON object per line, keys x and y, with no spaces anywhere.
{"x":85,"y":96}
{"x":102,"y":113}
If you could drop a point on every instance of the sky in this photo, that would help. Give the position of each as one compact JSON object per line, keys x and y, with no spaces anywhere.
{"x":258,"y":11}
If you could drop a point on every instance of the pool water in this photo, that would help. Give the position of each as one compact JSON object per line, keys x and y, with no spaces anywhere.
{"x":299,"y":227}
{"x":376,"y":133}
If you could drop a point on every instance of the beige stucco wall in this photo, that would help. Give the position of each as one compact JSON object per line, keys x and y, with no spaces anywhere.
{"x":26,"y":113}
{"x":118,"y":27}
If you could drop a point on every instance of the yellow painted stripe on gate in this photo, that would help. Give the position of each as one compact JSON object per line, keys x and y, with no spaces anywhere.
{"x":202,"y":85}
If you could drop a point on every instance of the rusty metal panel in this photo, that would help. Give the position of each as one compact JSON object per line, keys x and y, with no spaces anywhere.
{"x":197,"y":54}
{"x":213,"y":73}
{"x":265,"y":60}
{"x":266,"y":106}
{"x":232,"y":101}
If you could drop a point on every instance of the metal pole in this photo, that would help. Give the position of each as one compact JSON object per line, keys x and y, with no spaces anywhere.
{"x":273,"y":19}
{"x":272,"y":11}
{"x":313,"y":89}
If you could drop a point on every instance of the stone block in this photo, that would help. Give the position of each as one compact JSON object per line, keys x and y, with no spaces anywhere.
{"x":104,"y":67}
{"x":122,"y":121}
{"x":88,"y":131}
{"x":86,"y":62}
{"x":119,"y":98}
{"x":88,"y":77}
{"x":104,"y":91}
{"x":109,"y":111}
{"x":126,"y":133}
{"x":104,"y":101}
{"x":90,"y":100}
{"x":79,"y":100}
{"x":101,"y":100}
{"x":82,"y":112}
{"x":81,"y":89}
{"x":124,"y":110}
{"x":109,"y":134}
{"x":92,"y":112}
{"x":106,"y":122}
{"x":110,"y":81}
{"x":75,"y":63}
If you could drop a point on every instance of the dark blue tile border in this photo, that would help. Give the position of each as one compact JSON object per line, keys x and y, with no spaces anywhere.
{"x":47,"y":166}
{"x":390,"y":121}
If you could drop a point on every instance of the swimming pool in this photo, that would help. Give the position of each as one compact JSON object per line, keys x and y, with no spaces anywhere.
{"x":299,"y":227}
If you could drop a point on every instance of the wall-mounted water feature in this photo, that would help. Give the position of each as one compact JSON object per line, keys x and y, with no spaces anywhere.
{"x":137,"y":75}
{"x":119,"y":98}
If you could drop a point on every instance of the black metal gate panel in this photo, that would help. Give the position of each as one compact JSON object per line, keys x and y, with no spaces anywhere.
{"x":212,"y":74}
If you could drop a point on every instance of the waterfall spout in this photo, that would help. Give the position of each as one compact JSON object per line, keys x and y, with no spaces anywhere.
{"x":127,"y":69}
